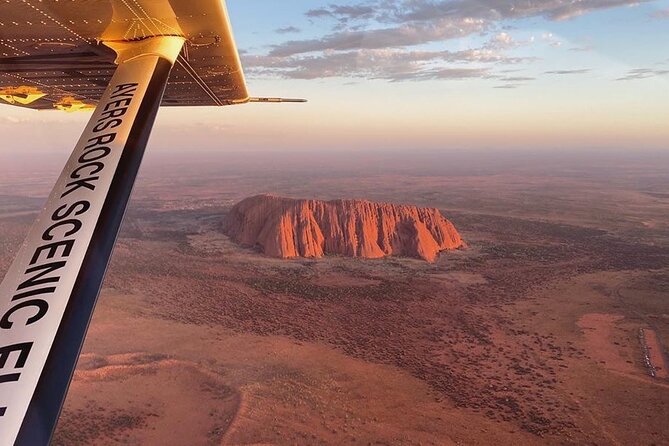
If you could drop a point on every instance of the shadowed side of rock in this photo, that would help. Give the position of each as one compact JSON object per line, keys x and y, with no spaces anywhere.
{"x":289,"y":228}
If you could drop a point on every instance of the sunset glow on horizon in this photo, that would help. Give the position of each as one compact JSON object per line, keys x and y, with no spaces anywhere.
{"x":423,"y":75}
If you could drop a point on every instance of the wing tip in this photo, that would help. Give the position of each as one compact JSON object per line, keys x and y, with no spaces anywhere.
{"x":277,"y":100}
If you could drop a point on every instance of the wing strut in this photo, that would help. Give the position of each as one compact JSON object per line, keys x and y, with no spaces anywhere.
{"x":49,"y":293}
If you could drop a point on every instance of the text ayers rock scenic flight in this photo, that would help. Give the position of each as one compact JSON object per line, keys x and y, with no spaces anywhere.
{"x":288,"y":228}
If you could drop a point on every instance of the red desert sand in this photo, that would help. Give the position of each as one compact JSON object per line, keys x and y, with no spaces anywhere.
{"x":289,"y":228}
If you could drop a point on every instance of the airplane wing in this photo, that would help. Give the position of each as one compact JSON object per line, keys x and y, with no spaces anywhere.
{"x":121,"y":59}
{"x":54,"y":56}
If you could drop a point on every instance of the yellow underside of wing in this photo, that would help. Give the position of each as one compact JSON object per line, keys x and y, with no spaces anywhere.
{"x":55,"y":49}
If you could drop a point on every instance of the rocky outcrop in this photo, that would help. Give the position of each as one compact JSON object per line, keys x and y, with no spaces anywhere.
{"x":289,"y":228}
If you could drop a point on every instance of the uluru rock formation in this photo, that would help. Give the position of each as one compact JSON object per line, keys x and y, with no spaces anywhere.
{"x":288,"y":228}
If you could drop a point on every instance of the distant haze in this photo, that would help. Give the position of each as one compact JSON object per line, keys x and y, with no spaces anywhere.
{"x":429,"y":75}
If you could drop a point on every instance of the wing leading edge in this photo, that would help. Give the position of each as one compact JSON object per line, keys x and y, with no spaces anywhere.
{"x":53,"y":53}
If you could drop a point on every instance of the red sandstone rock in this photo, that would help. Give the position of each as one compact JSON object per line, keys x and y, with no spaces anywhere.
{"x":288,"y":228}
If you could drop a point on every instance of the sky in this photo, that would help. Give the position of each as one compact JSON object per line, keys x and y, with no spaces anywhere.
{"x":408,"y":75}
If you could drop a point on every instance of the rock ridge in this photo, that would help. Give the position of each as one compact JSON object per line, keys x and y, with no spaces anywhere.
{"x":290,"y":228}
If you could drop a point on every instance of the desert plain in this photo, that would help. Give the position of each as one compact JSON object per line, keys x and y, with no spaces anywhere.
{"x":550,"y":328}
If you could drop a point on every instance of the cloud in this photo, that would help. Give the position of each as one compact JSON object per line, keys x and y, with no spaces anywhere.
{"x":642,"y":73}
{"x":499,"y":9}
{"x":408,"y":35}
{"x":287,"y":30}
{"x":379,"y":38}
{"x":446,"y":74}
{"x":390,"y":64}
{"x":551,"y":40}
{"x":503,"y":39}
{"x":517,"y":78}
{"x":512,"y":82}
{"x":343,"y":13}
{"x":567,"y":72}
